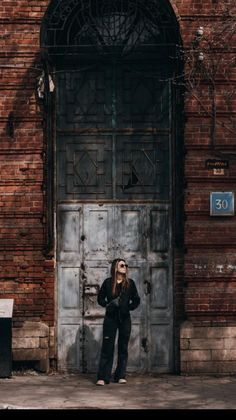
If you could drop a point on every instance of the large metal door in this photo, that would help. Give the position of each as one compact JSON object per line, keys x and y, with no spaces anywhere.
{"x":113,"y":195}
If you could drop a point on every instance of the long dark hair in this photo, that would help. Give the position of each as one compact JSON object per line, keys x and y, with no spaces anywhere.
{"x":125,"y":283}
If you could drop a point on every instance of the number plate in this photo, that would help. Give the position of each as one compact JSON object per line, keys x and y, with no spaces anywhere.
{"x":222,"y":204}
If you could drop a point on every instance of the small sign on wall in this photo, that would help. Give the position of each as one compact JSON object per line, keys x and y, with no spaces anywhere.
{"x":222,"y":203}
{"x":217,"y":165}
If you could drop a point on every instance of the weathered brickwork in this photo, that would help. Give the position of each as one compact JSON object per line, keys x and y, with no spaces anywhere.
{"x":209,"y":271}
{"x":27,"y":275}
{"x":208,"y":349}
{"x":205,"y":286}
{"x":32,"y":342}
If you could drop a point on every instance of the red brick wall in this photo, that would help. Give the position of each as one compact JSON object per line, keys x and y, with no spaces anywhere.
{"x":26,"y":274}
{"x":210,"y":269}
{"x":208,"y":286}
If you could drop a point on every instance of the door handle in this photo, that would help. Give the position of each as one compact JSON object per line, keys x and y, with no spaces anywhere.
{"x":148,"y":287}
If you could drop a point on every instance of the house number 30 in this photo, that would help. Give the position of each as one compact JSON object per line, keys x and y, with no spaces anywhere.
{"x":222,"y":203}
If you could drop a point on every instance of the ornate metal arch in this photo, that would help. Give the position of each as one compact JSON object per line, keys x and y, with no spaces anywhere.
{"x":106,"y":24}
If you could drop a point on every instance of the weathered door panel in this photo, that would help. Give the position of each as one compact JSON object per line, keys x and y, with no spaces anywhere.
{"x":92,"y":345}
{"x":130,"y":230}
{"x":69,"y":233}
{"x":160,"y":299}
{"x":95,"y":271}
{"x":160,"y":318}
{"x":158,"y":235}
{"x":69,"y":345}
{"x":142,"y":168}
{"x":137,"y":356}
{"x":98,"y":232}
{"x":70,"y":292}
{"x":160,"y":348}
{"x":84,"y":166}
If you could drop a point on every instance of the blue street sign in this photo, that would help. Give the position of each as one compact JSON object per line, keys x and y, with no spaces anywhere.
{"x":222,"y":203}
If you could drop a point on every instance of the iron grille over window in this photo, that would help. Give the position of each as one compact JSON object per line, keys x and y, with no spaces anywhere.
{"x":108,"y":24}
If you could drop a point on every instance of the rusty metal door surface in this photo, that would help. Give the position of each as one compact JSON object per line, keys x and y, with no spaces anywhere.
{"x":113,"y":195}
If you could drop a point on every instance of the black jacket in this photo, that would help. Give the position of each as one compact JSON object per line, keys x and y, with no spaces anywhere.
{"x":128,"y":301}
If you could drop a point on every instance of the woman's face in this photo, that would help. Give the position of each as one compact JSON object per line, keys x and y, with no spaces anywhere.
{"x":122,"y":267}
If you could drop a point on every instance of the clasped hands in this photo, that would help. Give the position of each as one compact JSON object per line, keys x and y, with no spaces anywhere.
{"x":114,"y":302}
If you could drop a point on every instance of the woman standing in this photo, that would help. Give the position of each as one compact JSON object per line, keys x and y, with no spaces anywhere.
{"x":118,"y":294}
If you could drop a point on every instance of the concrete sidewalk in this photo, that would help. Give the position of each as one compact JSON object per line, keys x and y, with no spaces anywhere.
{"x":57,"y":391}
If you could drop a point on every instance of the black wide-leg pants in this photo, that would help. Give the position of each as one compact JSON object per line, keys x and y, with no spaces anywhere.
{"x":110,"y":327}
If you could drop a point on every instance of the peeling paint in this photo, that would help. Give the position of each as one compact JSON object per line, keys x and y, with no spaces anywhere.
{"x":211,"y":267}
{"x":231,"y":267}
{"x":220,"y":267}
{"x":200,"y":267}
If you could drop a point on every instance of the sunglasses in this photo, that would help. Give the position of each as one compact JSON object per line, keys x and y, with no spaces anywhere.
{"x":123,"y":265}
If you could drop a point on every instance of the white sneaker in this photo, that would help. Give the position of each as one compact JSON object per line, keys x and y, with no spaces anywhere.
{"x":122,"y":381}
{"x":100,"y":382}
